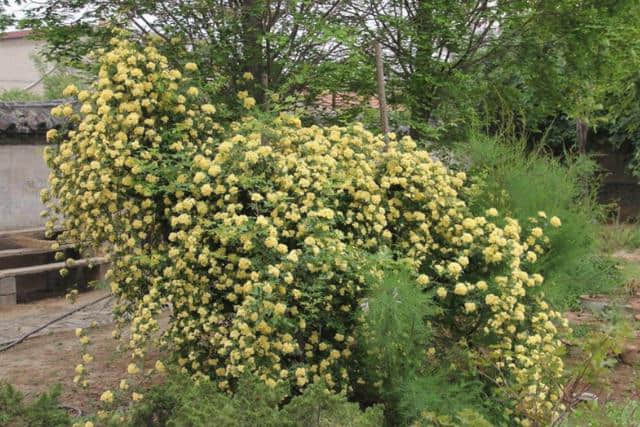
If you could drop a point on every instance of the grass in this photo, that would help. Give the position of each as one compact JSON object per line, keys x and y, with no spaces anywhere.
{"x":18,"y":95}
{"x":611,"y":414}
{"x":620,"y":237}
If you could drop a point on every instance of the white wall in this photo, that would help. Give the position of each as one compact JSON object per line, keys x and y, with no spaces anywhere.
{"x":17,"y":69}
{"x":23,"y":173}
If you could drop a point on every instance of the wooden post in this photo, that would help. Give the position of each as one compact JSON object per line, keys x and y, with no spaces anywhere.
{"x":382,"y":99}
{"x":582,"y":133}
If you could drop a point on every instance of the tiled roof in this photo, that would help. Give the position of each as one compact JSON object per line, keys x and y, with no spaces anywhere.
{"x":27,"y":118}
{"x":15,"y":34}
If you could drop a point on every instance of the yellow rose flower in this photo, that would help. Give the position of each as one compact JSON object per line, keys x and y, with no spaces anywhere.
{"x":423,"y":279}
{"x":279,"y":309}
{"x":51,"y":134}
{"x":491,"y":299}
{"x":208,"y":108}
{"x":107,"y":397}
{"x":70,"y":90}
{"x":460,"y":289}
{"x":249,"y":102}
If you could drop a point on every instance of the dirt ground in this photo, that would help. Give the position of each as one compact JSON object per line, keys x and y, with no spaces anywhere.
{"x":50,"y":357}
{"x":623,"y":381}
{"x":19,"y":319}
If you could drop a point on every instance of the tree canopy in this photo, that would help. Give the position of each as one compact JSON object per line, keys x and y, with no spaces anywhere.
{"x":447,"y":62}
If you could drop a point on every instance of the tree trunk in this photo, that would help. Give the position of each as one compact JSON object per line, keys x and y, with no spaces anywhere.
{"x":252,"y":34}
{"x":382,"y":98}
{"x":582,"y":133}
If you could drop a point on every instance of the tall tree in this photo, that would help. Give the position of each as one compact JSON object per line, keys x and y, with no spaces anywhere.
{"x":286,"y":45}
{"x":538,"y":57}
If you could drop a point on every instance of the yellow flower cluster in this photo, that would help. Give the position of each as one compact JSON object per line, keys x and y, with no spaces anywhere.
{"x":254,"y":235}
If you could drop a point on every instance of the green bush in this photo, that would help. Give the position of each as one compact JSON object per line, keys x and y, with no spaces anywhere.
{"x":397,"y":352}
{"x":181,"y":402}
{"x":520,"y":184}
{"x":42,"y":412}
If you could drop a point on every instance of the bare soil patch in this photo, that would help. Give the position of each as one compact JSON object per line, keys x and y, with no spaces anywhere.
{"x":50,"y":358}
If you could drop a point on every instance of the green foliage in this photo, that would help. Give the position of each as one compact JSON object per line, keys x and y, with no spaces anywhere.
{"x":439,"y":396}
{"x":10,"y":403}
{"x":181,"y":402}
{"x":464,"y":418}
{"x":55,"y":83}
{"x":397,"y":353}
{"x":7,"y":18}
{"x":597,"y":352}
{"x":521,"y":183}
{"x":42,"y":412}
{"x":395,"y":332}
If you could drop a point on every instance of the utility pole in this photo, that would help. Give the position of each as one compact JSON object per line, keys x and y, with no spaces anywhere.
{"x":382,"y":99}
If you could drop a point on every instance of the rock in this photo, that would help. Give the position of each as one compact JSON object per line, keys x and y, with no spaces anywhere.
{"x":595,"y":303}
{"x":630,"y":354}
{"x":587,"y":397}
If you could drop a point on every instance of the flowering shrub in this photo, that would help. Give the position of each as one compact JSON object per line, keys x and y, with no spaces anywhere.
{"x":255,"y":235}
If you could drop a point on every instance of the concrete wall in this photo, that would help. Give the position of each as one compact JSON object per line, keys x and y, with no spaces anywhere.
{"x":17,"y":69}
{"x":23,"y":173}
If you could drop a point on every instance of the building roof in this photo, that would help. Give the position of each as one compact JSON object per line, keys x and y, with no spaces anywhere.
{"x":19,"y":34}
{"x":28,"y":118}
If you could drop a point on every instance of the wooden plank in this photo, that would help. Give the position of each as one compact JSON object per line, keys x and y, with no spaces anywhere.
{"x":27,"y":231}
{"x":22,"y":271}
{"x":11,"y":233}
{"x":28,"y":251}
